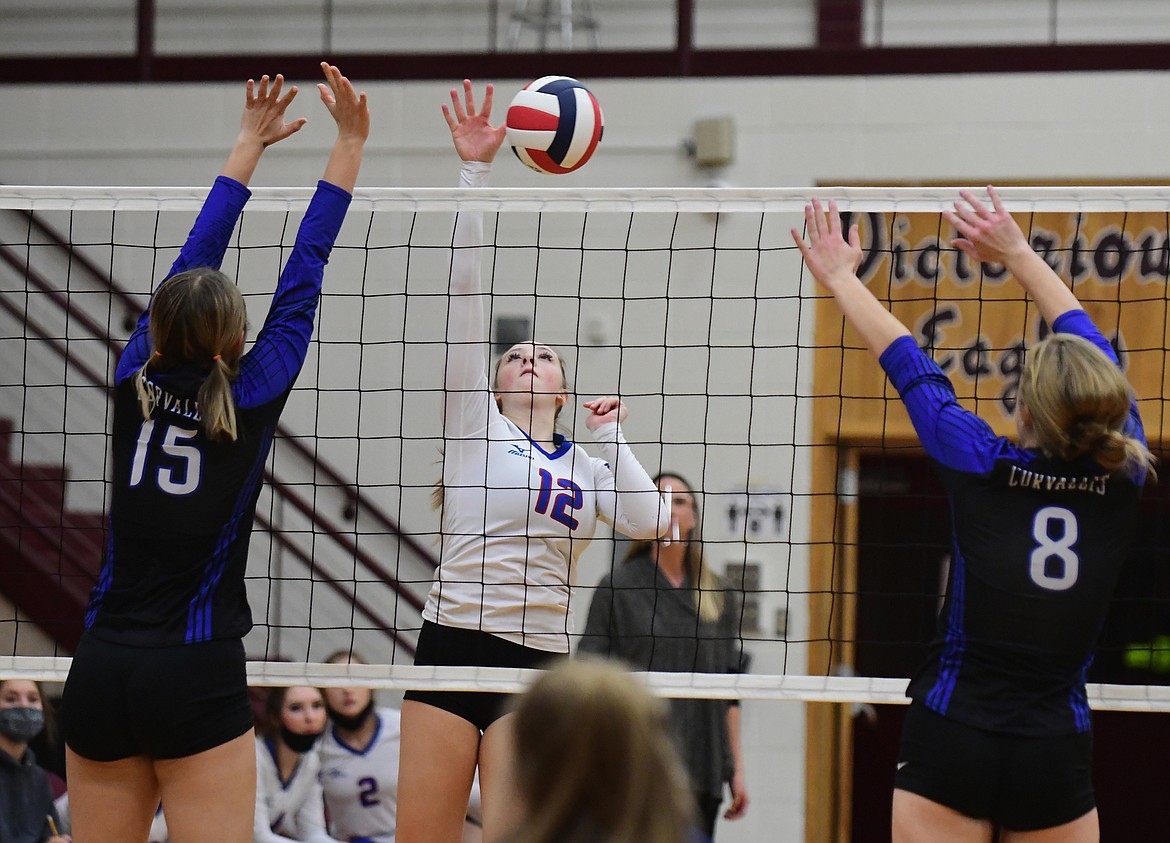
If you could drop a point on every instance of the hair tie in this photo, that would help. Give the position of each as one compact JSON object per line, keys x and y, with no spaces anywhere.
{"x":157,"y":353}
{"x":216,"y":357}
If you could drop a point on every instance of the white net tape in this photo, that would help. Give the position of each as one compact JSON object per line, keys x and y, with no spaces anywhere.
{"x":649,"y":199}
{"x":832,"y":689}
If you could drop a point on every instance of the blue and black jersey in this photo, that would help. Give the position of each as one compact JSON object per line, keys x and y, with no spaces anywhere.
{"x":1038,"y":545}
{"x":182,"y":505}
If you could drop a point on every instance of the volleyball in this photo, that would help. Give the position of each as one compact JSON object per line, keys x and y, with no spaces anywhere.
{"x":554,"y":124}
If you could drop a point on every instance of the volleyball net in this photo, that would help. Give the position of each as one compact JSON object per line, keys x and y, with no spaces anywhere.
{"x":819,"y":509}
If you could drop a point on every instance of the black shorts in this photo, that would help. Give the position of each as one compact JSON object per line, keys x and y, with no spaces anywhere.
{"x":1019,"y":782}
{"x":160,"y":702}
{"x":449,"y":645}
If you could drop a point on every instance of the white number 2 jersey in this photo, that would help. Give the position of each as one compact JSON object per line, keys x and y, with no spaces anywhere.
{"x":361,"y":783}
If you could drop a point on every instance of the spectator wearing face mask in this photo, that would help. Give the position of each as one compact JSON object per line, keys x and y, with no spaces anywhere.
{"x":27,"y":814}
{"x":289,"y":805}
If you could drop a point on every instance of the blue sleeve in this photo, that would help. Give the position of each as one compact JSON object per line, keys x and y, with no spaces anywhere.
{"x":1078,"y":322}
{"x":205,"y":246}
{"x":275,"y":359}
{"x":952,"y":435}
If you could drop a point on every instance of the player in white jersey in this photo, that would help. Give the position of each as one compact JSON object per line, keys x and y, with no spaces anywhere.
{"x":289,"y":805}
{"x":359,"y":766}
{"x":520,"y":503}
{"x":360,"y":779}
{"x":359,"y":763}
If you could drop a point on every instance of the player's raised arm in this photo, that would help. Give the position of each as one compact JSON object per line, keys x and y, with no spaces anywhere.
{"x":351,"y":112}
{"x":833,"y":261}
{"x":261,"y":125}
{"x":272,"y":365}
{"x":476,"y":141}
{"x":475,"y":138}
{"x":628,"y":498}
{"x":991,"y":235}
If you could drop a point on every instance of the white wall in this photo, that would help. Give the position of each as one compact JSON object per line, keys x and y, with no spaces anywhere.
{"x":790,"y":131}
{"x":960,"y":128}
{"x":89,"y":27}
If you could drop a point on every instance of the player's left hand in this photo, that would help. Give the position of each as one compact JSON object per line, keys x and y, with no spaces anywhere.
{"x":350,"y":110}
{"x":603,"y":410}
{"x":986,"y":234}
{"x":475,"y":138}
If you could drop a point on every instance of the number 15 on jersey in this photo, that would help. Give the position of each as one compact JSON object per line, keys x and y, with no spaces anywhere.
{"x":180,"y":463}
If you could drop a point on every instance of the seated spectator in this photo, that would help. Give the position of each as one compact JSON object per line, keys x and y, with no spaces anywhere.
{"x":289,"y":804}
{"x":27,"y":812}
{"x":359,"y":763}
{"x":594,"y":762}
{"x":359,"y":766}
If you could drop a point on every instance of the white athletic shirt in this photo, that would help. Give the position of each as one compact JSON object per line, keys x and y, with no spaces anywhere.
{"x":292,"y":810}
{"x":361,"y":783}
{"x":516,"y":518}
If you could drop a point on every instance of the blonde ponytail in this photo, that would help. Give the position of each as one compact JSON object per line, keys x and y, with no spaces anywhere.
{"x":145,"y":398}
{"x":216,"y":405}
{"x":709,"y":591}
{"x":1108,"y":448}
{"x":1078,"y":402}
{"x":1136,"y":457}
{"x":198,"y":317}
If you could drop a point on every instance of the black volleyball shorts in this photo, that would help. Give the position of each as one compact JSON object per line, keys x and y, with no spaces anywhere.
{"x":448,"y":645}
{"x":1019,"y":782}
{"x":159,"y":702}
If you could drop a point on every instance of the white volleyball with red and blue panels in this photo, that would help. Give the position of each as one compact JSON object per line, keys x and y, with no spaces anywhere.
{"x":554,"y":124}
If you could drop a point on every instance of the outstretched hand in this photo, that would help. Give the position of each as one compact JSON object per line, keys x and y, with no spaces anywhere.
{"x":261,"y":126}
{"x":987,"y":235}
{"x":350,"y":109}
{"x":351,"y":113}
{"x":264,"y":108}
{"x":833,"y":261}
{"x":604,"y":410}
{"x":827,"y":254}
{"x":475,"y":138}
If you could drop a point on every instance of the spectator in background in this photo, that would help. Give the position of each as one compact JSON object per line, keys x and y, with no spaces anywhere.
{"x":289,"y":803}
{"x":593,"y":761}
{"x":663,"y":608}
{"x":359,"y":762}
{"x":27,"y":813}
{"x":359,"y":766}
